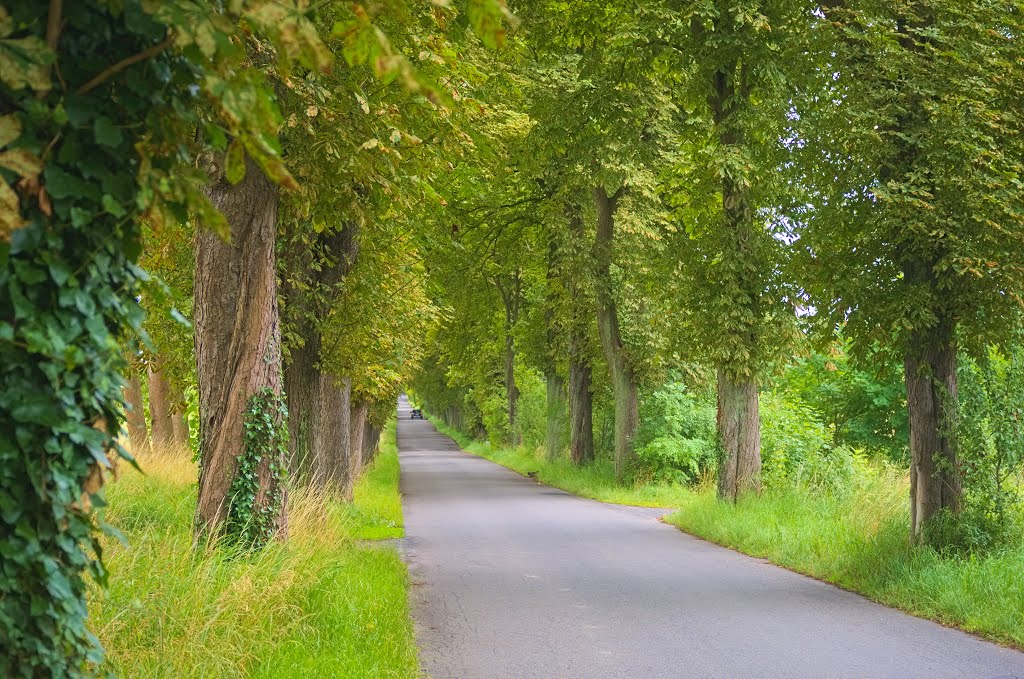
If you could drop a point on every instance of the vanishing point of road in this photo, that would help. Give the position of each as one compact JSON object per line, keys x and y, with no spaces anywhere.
{"x":516,"y":580}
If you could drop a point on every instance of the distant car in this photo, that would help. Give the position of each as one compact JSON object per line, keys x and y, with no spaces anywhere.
{"x":417,"y":414}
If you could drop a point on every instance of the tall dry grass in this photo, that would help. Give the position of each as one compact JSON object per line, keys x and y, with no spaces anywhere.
{"x":317,"y":605}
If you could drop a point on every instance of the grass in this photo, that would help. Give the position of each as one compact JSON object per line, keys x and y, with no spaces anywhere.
{"x":857,"y":541}
{"x":318,"y":605}
{"x":376,"y":512}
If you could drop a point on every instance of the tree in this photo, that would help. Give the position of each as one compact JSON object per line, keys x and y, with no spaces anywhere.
{"x":135,"y":416}
{"x":913,"y":243}
{"x":737,"y":64}
{"x":238,"y":353}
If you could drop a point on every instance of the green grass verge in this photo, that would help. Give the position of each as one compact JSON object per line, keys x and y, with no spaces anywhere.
{"x":857,"y":541}
{"x":318,"y":605}
{"x":376,"y":510}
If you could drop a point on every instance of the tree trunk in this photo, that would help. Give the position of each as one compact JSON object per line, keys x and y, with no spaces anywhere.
{"x":137,"y":434}
{"x":180,"y":428}
{"x":238,"y":343}
{"x":739,"y":427}
{"x":302,"y":390}
{"x":357,"y":433}
{"x":510,"y":387}
{"x":581,"y":401}
{"x":935,"y":474}
{"x":161,"y":414}
{"x":312,"y":437}
{"x":623,"y":379}
{"x":510,"y":298}
{"x":371,"y":443}
{"x":555,"y":415}
{"x":330,"y":466}
{"x":556,"y":394}
{"x":739,"y":437}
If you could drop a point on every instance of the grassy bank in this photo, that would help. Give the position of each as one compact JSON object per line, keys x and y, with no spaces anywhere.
{"x":318,"y":605}
{"x":857,"y":540}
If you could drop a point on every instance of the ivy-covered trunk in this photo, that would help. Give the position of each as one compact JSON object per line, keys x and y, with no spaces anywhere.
{"x":740,"y":279}
{"x":931,"y":377}
{"x":739,"y":436}
{"x":238,"y":353}
{"x":581,"y":401}
{"x":555,"y":412}
{"x":624,"y":387}
{"x":138,"y":436}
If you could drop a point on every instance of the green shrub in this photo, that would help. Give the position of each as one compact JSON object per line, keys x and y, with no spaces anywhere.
{"x":991,"y":449}
{"x":676,"y":439}
{"x":531,"y":418}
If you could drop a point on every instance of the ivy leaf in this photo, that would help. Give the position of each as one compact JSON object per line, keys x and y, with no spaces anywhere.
{"x":111,"y":205}
{"x":106,"y":132}
{"x":10,"y":213}
{"x":24,"y":62}
{"x":234,"y":162}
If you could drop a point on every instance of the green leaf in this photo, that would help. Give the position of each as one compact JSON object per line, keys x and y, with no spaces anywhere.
{"x":234,"y":162}
{"x":106,"y":132}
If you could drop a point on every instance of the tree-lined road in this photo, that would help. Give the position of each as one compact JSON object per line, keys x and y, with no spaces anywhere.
{"x":513,"y":579}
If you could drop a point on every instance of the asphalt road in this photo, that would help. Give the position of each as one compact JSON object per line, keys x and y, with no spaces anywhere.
{"x":516,"y":580}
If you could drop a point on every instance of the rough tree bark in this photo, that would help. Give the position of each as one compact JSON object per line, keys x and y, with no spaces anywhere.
{"x":624,"y":386}
{"x":237,"y":338}
{"x":556,"y":394}
{"x":137,"y":433}
{"x":581,"y":401}
{"x":739,"y":437}
{"x":930,"y":369}
{"x":357,"y":433}
{"x":371,"y":443}
{"x":739,"y":429}
{"x":311,"y":438}
{"x":161,"y":414}
{"x":180,"y":428}
{"x":330,"y":456}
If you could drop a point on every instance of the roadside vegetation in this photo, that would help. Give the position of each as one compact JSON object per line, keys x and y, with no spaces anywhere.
{"x":322,"y":604}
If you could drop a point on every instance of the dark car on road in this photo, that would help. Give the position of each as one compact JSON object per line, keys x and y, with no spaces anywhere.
{"x":417,"y":414}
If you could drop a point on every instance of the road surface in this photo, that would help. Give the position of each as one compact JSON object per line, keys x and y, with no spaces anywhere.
{"x":516,"y":580}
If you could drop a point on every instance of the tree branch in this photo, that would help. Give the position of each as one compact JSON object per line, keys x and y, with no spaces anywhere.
{"x":123,"y":64}
{"x":53,"y":24}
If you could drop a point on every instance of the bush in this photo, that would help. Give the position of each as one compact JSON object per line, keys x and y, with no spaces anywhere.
{"x":531,"y":418}
{"x":676,"y":440}
{"x":796,"y":450}
{"x":991,"y":449}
